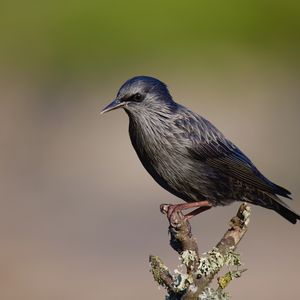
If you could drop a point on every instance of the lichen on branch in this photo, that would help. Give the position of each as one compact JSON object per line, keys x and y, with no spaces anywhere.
{"x":195,"y":282}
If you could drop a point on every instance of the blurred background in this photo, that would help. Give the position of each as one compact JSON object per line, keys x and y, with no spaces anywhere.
{"x":79,"y":214}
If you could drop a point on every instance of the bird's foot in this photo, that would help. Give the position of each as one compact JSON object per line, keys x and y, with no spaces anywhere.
{"x":175,"y":216}
{"x":174,"y":212}
{"x":169,"y":209}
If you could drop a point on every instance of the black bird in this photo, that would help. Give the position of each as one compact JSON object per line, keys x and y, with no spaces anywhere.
{"x":190,"y":157}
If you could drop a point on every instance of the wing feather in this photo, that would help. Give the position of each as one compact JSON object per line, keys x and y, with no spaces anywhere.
{"x":210,"y":146}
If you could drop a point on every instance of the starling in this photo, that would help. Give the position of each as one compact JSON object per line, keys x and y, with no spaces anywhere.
{"x":190,"y":157}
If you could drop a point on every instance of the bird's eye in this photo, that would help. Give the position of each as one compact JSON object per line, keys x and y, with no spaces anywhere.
{"x":133,"y":98}
{"x":137,"y":97}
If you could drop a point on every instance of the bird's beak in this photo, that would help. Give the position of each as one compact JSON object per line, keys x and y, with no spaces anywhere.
{"x":113,"y":105}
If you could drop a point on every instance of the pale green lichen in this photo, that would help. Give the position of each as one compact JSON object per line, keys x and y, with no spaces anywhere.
{"x":211,"y":294}
{"x":188,"y":257}
{"x":233,"y":259}
{"x":224,"y":280}
{"x":210,"y":262}
{"x":182,"y":281}
{"x":156,"y":268}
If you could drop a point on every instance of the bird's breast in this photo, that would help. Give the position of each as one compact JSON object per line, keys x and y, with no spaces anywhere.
{"x":167,"y":160}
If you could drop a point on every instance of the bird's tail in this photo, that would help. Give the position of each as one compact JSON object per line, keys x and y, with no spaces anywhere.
{"x":287,"y":213}
{"x":274,"y":203}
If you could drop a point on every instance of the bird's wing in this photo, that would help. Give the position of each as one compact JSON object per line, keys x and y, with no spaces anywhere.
{"x":209,"y":145}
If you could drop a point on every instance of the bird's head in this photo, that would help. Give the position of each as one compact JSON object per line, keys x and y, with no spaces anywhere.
{"x":141,"y":93}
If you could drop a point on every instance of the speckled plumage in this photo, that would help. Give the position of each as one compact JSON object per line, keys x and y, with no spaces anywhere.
{"x":187,"y":155}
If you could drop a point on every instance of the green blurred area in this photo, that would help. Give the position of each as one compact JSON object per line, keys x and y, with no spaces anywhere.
{"x":78,"y":210}
{"x":69,"y":37}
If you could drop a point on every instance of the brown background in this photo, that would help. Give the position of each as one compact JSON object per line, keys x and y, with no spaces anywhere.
{"x":78,"y":213}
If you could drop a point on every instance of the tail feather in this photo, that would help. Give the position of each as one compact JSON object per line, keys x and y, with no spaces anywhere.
{"x":285,"y":212}
{"x":275,"y":203}
{"x":279,"y":190}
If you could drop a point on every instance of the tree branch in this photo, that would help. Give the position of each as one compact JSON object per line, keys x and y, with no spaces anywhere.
{"x":200,"y":270}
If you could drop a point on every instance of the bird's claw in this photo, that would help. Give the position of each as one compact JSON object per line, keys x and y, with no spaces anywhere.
{"x":164,"y":208}
{"x":173,"y":213}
